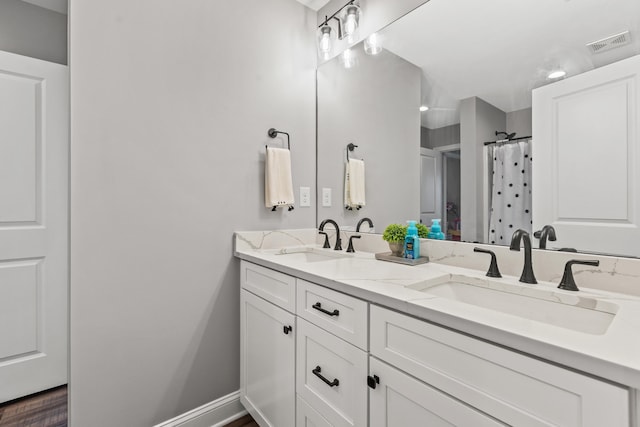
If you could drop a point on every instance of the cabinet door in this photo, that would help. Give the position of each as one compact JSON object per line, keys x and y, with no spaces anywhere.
{"x":586,"y":159}
{"x":306,"y":416}
{"x":267,"y":361}
{"x":331,"y":376}
{"x":400,"y":400}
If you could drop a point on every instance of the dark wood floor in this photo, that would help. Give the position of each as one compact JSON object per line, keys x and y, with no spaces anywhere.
{"x":245,"y":421}
{"x":49,"y":409}
{"x":45,"y":409}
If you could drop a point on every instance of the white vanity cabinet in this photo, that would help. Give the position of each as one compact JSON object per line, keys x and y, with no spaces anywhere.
{"x":312,"y":356}
{"x":267,"y":346}
{"x":508,"y":386}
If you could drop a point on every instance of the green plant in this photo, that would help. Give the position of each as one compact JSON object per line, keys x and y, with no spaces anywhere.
{"x":423,"y":231}
{"x":394,"y":233}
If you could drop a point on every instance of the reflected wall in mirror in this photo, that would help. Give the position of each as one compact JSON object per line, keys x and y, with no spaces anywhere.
{"x":476,"y":72}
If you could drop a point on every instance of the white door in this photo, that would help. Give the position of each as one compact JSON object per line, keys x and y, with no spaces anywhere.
{"x":430,"y":185}
{"x":586,"y":159}
{"x":34,"y":148}
{"x":267,"y":361}
{"x":401,"y":400}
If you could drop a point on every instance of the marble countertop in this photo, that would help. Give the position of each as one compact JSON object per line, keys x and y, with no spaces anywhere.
{"x":613,"y":355}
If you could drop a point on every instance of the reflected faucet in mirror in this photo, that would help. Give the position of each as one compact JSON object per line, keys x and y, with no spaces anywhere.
{"x":527,"y":275}
{"x":338,"y":246}
{"x":547,"y":233}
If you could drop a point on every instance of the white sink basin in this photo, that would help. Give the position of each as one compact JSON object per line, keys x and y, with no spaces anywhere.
{"x":307,"y":254}
{"x":570,"y":311}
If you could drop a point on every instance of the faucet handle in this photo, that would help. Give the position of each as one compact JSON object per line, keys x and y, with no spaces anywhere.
{"x":493,"y":267}
{"x":338,"y":246}
{"x":350,"y":247}
{"x":326,"y":239}
{"x":568,"y":283}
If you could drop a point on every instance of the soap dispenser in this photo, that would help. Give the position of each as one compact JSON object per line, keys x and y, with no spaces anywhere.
{"x":435,"y":232}
{"x":412,"y":242}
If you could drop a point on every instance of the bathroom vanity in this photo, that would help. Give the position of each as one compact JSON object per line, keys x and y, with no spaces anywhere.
{"x":336,"y":339}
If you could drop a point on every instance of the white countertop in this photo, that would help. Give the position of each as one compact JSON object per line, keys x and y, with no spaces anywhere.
{"x":613,"y":355}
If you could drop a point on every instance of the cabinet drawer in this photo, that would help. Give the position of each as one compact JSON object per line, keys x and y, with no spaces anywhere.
{"x":340,"y":314}
{"x":331,"y":376}
{"x":275,"y":287}
{"x":306,"y":416}
{"x":401,"y":400}
{"x":509,"y":386}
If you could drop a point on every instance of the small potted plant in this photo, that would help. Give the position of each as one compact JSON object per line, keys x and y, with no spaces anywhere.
{"x":394,"y":234}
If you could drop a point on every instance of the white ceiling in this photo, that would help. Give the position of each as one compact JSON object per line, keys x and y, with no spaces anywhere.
{"x":59,"y":6}
{"x":499,"y":50}
{"x":314,"y":4}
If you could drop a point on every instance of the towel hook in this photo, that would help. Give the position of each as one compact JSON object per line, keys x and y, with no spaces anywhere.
{"x":274,"y":132}
{"x":350,"y":147}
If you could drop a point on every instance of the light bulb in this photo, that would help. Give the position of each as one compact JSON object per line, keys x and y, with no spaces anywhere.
{"x":372,"y":44}
{"x":348,"y":59}
{"x":423,"y":108}
{"x":324,"y":41}
{"x":350,"y":22}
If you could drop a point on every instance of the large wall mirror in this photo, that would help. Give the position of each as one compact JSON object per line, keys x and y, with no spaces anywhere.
{"x":452,"y":78}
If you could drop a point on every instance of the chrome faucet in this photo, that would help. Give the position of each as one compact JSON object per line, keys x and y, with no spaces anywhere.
{"x":527,"y":275}
{"x":367,"y":220}
{"x":338,"y":246}
{"x":547,"y":232}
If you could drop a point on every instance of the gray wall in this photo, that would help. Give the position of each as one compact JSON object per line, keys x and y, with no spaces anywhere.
{"x":374,"y":105}
{"x":440,"y":137}
{"x":520,"y":122}
{"x":33,"y":31}
{"x":171,"y":104}
{"x":478,"y":122}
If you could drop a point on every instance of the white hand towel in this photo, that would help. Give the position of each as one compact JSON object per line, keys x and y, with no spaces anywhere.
{"x":354,"y":196}
{"x":347,"y":187}
{"x":278,"y":185}
{"x":356,"y":181}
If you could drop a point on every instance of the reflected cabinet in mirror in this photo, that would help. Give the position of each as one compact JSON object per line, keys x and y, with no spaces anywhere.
{"x":492,"y":116}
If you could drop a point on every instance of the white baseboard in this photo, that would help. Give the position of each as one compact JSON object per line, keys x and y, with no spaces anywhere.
{"x":218,"y":413}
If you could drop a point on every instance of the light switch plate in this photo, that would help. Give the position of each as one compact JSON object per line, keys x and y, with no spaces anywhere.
{"x":326,"y":197}
{"x":305,"y":197}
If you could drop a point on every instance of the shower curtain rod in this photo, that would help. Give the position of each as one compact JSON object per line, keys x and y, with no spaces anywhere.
{"x":507,"y":140}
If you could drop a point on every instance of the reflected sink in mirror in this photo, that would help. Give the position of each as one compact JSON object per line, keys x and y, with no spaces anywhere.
{"x":574,"y":312}
{"x":311,"y":254}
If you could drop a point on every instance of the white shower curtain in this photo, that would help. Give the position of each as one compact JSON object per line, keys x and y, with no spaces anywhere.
{"x":511,"y":191}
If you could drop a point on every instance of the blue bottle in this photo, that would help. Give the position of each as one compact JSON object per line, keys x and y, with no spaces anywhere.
{"x":435,"y":232}
{"x":412,"y":242}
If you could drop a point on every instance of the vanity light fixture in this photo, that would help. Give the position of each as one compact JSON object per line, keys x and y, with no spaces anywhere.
{"x":350,"y":21}
{"x":557,"y":74}
{"x":372,"y":44}
{"x":347,"y":19}
{"x":423,"y":108}
{"x":324,"y":41}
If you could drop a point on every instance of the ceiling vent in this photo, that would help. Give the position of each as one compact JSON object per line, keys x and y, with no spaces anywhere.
{"x":609,"y":43}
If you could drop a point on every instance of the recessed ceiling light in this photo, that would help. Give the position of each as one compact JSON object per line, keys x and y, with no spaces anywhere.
{"x":423,"y":108}
{"x":557,"y":74}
